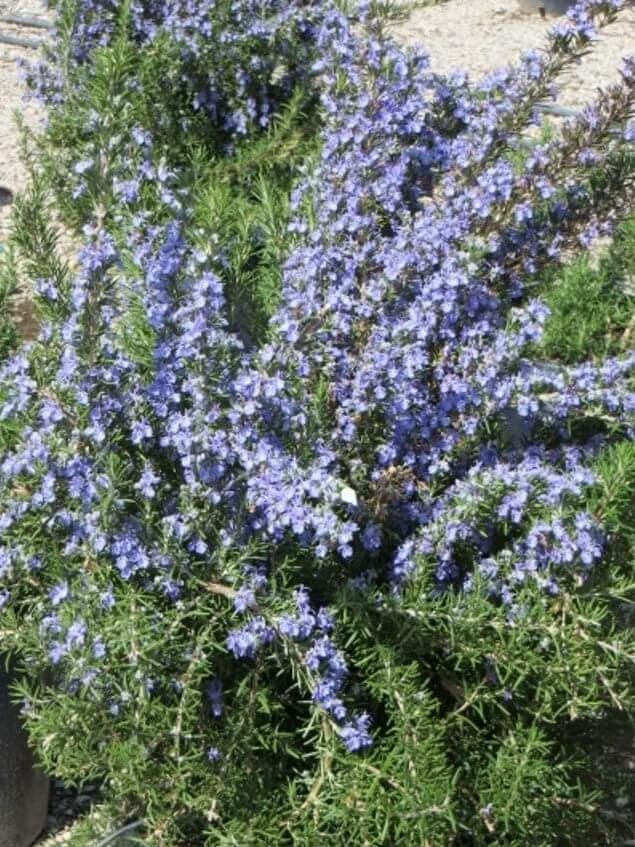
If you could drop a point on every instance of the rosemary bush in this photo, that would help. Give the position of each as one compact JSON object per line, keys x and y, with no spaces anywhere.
{"x":315,"y":514}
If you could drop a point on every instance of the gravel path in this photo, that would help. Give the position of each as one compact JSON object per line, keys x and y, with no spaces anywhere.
{"x":12,"y":172}
{"x":475,"y":35}
{"x":480,"y":36}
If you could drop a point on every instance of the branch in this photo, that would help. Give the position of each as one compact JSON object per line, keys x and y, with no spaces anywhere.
{"x":220,"y":589}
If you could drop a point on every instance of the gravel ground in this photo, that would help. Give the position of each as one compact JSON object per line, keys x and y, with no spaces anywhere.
{"x":480,"y":36}
{"x":475,"y":35}
{"x":65,"y":807}
{"x":12,"y":173}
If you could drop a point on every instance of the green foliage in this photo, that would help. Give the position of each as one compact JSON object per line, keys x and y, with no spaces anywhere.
{"x":243,"y":203}
{"x":491,"y":728}
{"x":592,"y":306}
{"x":8,"y":330}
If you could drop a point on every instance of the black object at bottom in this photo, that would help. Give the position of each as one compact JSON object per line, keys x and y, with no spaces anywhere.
{"x":24,"y":791}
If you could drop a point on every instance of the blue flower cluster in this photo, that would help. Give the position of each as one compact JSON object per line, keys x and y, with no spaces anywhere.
{"x":394,"y":420}
{"x":235,"y":61}
{"x":310,"y":631}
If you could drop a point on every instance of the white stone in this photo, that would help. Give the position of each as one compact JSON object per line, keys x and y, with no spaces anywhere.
{"x":348,"y":495}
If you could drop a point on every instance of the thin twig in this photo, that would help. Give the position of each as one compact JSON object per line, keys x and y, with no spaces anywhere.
{"x":311,"y":799}
{"x":576,"y":804}
{"x":114,"y":836}
{"x":219,"y":588}
{"x":376,"y":772}
{"x":430,"y":810}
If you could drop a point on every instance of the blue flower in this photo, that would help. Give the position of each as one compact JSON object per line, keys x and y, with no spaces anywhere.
{"x":214,"y":691}
{"x":214,"y":754}
{"x":355,"y":733}
{"x":59,"y":593}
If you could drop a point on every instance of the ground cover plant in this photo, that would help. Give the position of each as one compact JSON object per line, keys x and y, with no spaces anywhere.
{"x":315,"y":510}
